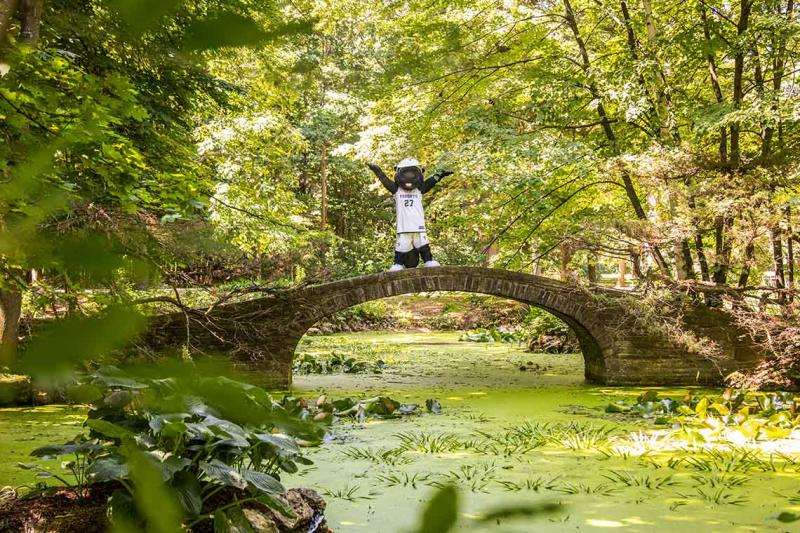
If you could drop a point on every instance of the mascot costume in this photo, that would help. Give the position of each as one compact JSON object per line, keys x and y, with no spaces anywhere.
{"x":408,"y":187}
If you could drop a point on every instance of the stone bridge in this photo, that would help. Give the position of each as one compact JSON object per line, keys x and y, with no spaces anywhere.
{"x":261,"y":334}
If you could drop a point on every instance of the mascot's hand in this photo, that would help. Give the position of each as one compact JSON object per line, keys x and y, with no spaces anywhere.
{"x":373,"y":167}
{"x":444,"y":173}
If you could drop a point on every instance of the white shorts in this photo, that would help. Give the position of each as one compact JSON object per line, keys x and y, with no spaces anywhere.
{"x":408,"y":241}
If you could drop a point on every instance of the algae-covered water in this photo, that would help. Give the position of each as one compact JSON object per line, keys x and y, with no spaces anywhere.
{"x":611,"y":473}
{"x":505,"y":437}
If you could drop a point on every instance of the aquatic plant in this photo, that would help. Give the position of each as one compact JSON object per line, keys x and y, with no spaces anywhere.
{"x":349,"y":493}
{"x":602,"y":489}
{"x":336,"y":363}
{"x":403,"y":479}
{"x":391,"y":457}
{"x":530,"y":483}
{"x":429,"y":443}
{"x":641,"y":480}
{"x":717,"y":479}
{"x":720,"y":496}
{"x":498,"y":334}
{"x":701,"y":419}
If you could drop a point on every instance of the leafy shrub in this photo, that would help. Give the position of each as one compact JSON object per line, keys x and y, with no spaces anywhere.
{"x":548,"y":333}
{"x":200,"y":435}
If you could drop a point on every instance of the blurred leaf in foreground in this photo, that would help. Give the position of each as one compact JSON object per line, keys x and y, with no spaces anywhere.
{"x":230,"y":29}
{"x":141,"y":15}
{"x":521,"y":511}
{"x":53,"y":353}
{"x":441,"y":513}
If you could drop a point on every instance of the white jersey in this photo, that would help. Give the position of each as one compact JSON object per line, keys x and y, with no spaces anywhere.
{"x":410,"y":213}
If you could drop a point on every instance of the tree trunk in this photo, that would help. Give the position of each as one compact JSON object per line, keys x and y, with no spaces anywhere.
{"x":7,"y":9}
{"x":722,"y":249}
{"x":712,"y":71}
{"x":30,"y":14}
{"x":749,"y":256}
{"x":567,"y":251}
{"x":591,"y":267}
{"x":323,"y":176}
{"x":789,"y":251}
{"x":738,"y":80}
{"x":777,"y":255}
{"x":10,"y":313}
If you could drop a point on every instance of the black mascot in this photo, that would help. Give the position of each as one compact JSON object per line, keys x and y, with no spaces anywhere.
{"x":408,"y":187}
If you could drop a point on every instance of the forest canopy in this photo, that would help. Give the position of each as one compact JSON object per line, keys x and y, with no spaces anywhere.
{"x":204,"y":144}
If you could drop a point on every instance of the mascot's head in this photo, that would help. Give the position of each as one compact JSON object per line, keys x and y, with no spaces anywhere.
{"x":408,"y":174}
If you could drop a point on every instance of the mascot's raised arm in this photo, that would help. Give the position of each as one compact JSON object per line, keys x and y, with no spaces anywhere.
{"x":408,"y":186}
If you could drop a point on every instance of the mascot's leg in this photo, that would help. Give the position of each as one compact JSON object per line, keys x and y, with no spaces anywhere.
{"x":421,"y":243}
{"x":402,"y":247}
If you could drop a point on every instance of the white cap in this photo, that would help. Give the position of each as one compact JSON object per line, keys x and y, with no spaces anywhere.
{"x":408,"y":162}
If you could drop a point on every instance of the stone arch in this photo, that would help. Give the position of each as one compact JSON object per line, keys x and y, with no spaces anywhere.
{"x":568,"y":303}
{"x":260,"y":335}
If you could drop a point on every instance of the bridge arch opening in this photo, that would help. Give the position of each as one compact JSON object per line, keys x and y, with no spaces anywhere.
{"x":594,"y":368}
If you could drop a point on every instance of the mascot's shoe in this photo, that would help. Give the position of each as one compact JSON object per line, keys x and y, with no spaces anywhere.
{"x":396,"y":268}
{"x":432,"y":263}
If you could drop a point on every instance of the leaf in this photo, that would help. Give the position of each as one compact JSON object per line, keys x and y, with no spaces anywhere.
{"x":141,"y":15}
{"x":517,"y":511}
{"x":276,"y":504}
{"x":219,"y":471}
{"x":188,"y":491}
{"x":172,"y":465}
{"x":52,"y":353}
{"x":222,"y":30}
{"x":108,"y":429}
{"x":776,"y":432}
{"x":107,"y":469}
{"x":787,"y":517}
{"x":750,"y":429}
{"x":617,"y":408}
{"x":54,"y":450}
{"x":433,"y":406}
{"x":155,"y":502}
{"x":441,"y":513}
{"x":263,"y":482}
{"x":720,"y":409}
{"x":701,"y":408}
{"x":280,"y":442}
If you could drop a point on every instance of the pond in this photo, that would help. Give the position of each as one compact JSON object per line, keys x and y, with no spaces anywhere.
{"x":378,"y":474}
{"x":515,"y":428}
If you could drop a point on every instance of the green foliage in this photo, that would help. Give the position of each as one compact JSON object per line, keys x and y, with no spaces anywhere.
{"x":325,"y":409}
{"x":336,"y":363}
{"x":701,"y":419}
{"x":173,"y":442}
{"x":441,"y":512}
{"x":499,"y":334}
{"x":539,"y":322}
